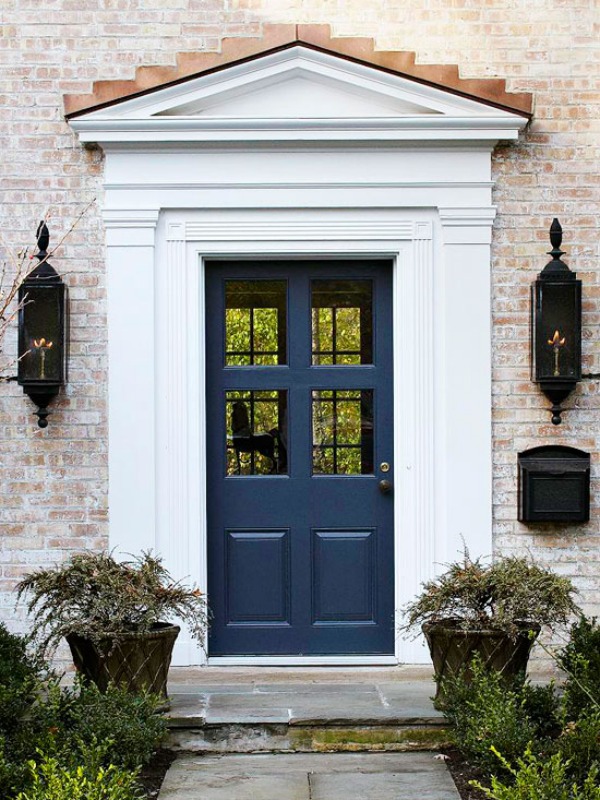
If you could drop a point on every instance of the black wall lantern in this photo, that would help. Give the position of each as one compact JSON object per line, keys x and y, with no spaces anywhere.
{"x":556,"y":327}
{"x":42,"y":331}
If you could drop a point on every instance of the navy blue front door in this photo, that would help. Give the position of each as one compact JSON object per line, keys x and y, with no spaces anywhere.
{"x":299,"y":439}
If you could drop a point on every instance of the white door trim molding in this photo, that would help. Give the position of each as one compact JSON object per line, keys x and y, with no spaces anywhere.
{"x":177,"y":192}
{"x":158,"y":495}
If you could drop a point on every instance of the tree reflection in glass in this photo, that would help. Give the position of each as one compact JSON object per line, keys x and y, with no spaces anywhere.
{"x":255,"y":323}
{"x":342,"y":423}
{"x":342,"y":322}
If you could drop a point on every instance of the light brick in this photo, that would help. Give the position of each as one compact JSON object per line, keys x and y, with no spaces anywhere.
{"x":55,"y":482}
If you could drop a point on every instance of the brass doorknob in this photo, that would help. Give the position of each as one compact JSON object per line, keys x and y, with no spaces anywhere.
{"x":385,"y":486}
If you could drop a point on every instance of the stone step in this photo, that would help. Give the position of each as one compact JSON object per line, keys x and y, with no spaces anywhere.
{"x":305,"y":717}
{"x":373,"y":776}
{"x":324,"y":738}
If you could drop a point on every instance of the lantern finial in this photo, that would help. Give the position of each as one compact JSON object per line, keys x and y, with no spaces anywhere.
{"x":43,"y":239}
{"x":555,"y":234}
{"x":557,"y":264}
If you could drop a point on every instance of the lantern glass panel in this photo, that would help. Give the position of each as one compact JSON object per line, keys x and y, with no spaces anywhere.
{"x":40,"y":339}
{"x":557,"y":346}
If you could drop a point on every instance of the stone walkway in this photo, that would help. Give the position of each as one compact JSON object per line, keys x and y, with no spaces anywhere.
{"x":342,"y":776}
{"x":293,"y":734}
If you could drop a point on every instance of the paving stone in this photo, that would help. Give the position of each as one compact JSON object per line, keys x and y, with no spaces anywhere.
{"x":246,"y":709}
{"x":410,"y":699}
{"x":408,"y":691}
{"x":186,"y":710}
{"x":216,"y":676}
{"x":347,"y":707}
{"x":223,"y":782}
{"x":372,"y":776}
{"x":389,"y":703}
{"x":211,"y":688}
{"x":361,"y":786}
{"x":297,"y":707}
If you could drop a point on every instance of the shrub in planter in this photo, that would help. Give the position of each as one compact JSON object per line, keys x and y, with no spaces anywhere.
{"x":495,"y":610}
{"x":115,"y":616}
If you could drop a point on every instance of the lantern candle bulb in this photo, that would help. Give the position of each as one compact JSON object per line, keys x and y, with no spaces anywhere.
{"x":556,"y":342}
{"x":42,"y":345}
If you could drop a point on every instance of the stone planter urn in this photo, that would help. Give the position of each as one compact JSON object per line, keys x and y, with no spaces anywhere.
{"x":452,"y":650}
{"x":136,"y":661}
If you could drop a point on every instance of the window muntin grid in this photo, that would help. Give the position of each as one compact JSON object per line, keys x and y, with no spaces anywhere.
{"x":342,"y":432}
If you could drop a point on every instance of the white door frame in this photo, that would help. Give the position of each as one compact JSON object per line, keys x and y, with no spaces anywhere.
{"x":158,"y":495}
{"x":255,"y":161}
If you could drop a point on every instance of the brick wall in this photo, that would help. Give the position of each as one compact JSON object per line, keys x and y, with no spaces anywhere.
{"x":53,"y":483}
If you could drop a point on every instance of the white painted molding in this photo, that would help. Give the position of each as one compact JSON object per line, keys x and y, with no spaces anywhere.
{"x":131,"y":389}
{"x":181,"y":446}
{"x":459,"y":217}
{"x":176,"y":232}
{"x":130,"y":218}
{"x":467,"y":225}
{"x":415,"y":456}
{"x":421,"y":130}
{"x":349,"y":185}
{"x":259,"y":85}
{"x":130,"y":228}
{"x":302,"y":96}
{"x":180,"y":498}
{"x":316,"y":227}
{"x":422,"y":231}
{"x":411,"y":187}
{"x":172,"y":406}
{"x":464,"y":341}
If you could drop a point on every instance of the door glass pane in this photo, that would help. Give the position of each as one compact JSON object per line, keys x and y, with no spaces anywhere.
{"x":342,"y":322}
{"x":256,"y":424}
{"x":342,"y":430}
{"x":255,"y":323}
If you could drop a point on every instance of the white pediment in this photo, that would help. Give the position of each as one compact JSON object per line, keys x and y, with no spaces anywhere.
{"x":298,"y":94}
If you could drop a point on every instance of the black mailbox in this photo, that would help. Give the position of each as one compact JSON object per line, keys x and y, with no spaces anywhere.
{"x":554,"y":485}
